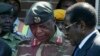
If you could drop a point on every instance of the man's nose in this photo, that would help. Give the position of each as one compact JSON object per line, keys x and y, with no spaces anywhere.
{"x":39,"y":30}
{"x":8,"y":20}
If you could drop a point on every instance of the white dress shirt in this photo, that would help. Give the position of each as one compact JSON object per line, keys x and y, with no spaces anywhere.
{"x":85,"y":39}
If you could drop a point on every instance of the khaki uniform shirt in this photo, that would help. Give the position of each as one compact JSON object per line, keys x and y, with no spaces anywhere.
{"x":55,"y":48}
{"x":12,"y":40}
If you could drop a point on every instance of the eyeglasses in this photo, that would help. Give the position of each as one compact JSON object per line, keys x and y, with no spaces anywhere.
{"x":68,"y":27}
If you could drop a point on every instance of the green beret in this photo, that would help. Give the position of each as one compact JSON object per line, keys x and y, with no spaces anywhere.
{"x":39,"y":13}
{"x":4,"y":8}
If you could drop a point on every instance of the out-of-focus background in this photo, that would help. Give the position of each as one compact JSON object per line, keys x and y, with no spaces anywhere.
{"x":25,"y":5}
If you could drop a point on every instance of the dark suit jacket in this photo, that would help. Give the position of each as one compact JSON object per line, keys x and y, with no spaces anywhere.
{"x":5,"y":50}
{"x":91,"y":47}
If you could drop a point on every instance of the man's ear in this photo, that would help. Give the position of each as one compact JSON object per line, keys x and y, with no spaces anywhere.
{"x":83,"y":26}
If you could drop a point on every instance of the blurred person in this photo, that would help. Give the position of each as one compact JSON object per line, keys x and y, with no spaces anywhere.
{"x":59,"y":14}
{"x":5,"y":50}
{"x":92,"y":2}
{"x":19,"y":27}
{"x":64,"y":4}
{"x":80,"y":24}
{"x":80,"y":0}
{"x":48,"y":38}
{"x":7,"y":18}
{"x":15,"y":4}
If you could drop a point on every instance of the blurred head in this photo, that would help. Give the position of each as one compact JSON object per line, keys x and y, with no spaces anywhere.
{"x":64,"y":4}
{"x":15,"y":4}
{"x":17,"y":7}
{"x":7,"y":17}
{"x":41,"y":20}
{"x":59,"y":15}
{"x":80,"y":20}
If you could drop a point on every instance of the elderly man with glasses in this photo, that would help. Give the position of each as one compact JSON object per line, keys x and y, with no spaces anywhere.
{"x":80,"y":24}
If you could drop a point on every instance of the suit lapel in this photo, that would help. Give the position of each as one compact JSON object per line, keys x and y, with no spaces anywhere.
{"x":83,"y":51}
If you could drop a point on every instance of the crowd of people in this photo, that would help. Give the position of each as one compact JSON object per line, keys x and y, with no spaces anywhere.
{"x":68,"y":30}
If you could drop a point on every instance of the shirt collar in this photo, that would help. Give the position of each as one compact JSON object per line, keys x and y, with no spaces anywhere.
{"x":11,"y":37}
{"x":8,"y":36}
{"x":85,"y":39}
{"x":58,"y":34}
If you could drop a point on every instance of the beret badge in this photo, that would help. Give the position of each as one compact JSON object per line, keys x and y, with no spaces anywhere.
{"x":37,"y":19}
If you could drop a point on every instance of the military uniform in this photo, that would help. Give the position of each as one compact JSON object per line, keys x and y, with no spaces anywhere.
{"x":6,"y":19}
{"x":59,"y":15}
{"x":13,"y":41}
{"x":36,"y":48}
{"x":5,"y":50}
{"x":40,"y":18}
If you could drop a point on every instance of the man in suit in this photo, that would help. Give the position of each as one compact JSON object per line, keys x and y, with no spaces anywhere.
{"x":80,"y":24}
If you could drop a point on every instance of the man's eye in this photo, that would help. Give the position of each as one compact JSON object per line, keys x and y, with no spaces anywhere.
{"x":11,"y":17}
{"x":43,"y":26}
{"x":3,"y":16}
